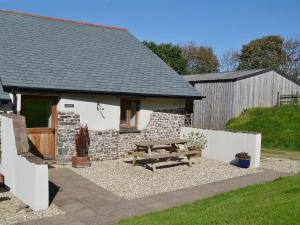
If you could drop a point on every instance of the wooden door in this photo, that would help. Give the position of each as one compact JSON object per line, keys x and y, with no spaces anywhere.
{"x":41,"y":120}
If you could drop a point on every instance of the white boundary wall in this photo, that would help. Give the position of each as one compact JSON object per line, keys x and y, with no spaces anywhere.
{"x":223,"y":145}
{"x":26,"y":180}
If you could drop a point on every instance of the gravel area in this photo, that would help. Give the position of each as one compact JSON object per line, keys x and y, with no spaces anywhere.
{"x":135,"y":182}
{"x":13,"y":210}
{"x":281,"y":165}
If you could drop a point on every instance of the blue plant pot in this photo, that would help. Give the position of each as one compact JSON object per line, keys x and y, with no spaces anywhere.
{"x":244,"y":163}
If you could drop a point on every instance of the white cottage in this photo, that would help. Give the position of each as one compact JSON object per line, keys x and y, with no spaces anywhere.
{"x":60,"y":74}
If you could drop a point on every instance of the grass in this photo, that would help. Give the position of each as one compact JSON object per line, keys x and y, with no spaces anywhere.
{"x":281,"y":154}
{"x":279,"y":125}
{"x":276,"y":202}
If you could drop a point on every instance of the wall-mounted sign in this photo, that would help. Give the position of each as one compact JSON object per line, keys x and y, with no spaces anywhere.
{"x":69,"y":105}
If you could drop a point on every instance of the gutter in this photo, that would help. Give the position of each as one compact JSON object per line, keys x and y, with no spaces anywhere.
{"x":8,"y":88}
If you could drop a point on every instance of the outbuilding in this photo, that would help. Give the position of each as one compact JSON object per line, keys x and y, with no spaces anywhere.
{"x":228,"y":94}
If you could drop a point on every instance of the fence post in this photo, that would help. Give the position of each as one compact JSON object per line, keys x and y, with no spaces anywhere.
{"x":297,"y":97}
{"x":278,"y":98}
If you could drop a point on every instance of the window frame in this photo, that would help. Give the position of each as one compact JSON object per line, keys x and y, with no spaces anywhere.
{"x":128,"y":113}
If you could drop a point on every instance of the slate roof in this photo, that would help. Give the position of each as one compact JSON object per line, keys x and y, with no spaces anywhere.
{"x":223,"y":76}
{"x":47,"y":54}
{"x":3,"y":95}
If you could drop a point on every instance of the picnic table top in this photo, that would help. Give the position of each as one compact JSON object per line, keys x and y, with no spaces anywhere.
{"x":160,"y":142}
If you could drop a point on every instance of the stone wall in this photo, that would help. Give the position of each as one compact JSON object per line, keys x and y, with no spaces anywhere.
{"x":68,"y":125}
{"x":104,"y":144}
{"x":164,"y":124}
{"x":111,"y":144}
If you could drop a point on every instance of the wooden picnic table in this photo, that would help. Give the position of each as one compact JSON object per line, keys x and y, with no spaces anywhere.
{"x":159,"y":144}
{"x":151,"y":150}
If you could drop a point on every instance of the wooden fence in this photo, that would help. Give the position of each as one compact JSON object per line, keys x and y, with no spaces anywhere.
{"x":288,"y":99}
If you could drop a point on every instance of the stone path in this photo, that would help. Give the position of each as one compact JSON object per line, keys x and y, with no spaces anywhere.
{"x":85,"y":203}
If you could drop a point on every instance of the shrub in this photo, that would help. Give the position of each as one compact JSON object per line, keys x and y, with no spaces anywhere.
{"x":196,"y":140}
{"x":82,"y":139}
{"x":243,"y":156}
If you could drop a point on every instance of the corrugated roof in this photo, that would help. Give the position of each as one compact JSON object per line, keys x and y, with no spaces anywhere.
{"x":223,"y":76}
{"x":51,"y":54}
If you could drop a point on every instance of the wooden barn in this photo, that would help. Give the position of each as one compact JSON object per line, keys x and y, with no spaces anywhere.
{"x":228,"y":94}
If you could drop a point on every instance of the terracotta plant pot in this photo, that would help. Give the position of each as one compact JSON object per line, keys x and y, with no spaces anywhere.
{"x":1,"y":180}
{"x":195,"y":149}
{"x":81,"y":161}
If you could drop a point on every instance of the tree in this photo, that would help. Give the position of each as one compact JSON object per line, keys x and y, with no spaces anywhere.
{"x":230,"y":61}
{"x":201,"y":59}
{"x":292,"y":52}
{"x":266,"y":52}
{"x":170,"y":54}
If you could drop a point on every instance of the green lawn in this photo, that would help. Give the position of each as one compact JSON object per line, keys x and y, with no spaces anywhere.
{"x":280,"y":126}
{"x":276,"y":202}
{"x":281,"y":154}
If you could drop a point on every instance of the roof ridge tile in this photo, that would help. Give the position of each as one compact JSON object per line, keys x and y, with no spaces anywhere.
{"x":62,"y":20}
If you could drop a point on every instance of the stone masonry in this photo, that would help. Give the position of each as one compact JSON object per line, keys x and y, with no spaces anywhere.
{"x":162,"y":125}
{"x":111,"y":144}
{"x":68,"y":125}
{"x":104,"y":144}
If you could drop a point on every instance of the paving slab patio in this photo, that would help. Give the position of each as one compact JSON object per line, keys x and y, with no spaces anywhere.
{"x":86,"y":203}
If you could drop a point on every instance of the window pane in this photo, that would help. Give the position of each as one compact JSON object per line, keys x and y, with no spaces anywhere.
{"x":37,"y":112}
{"x":125,"y":105}
{"x":133,"y":113}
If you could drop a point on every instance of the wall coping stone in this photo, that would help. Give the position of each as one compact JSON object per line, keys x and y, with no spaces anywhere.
{"x":227,"y":130}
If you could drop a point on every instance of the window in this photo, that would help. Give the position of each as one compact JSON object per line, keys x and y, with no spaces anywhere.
{"x":129,"y":113}
{"x":37,"y":112}
{"x":189,"y":106}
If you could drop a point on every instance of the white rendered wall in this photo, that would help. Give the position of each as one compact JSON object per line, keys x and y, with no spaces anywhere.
{"x":109,"y":118}
{"x":26,"y":180}
{"x":86,"y":106}
{"x":223,"y":145}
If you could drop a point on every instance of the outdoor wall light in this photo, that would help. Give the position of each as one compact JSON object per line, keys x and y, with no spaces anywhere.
{"x":100,"y":109}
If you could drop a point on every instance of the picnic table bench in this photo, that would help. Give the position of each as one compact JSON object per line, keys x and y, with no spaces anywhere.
{"x":152,"y":150}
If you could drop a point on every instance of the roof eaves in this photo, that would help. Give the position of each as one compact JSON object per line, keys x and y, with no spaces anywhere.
{"x":232,"y":79}
{"x":244,"y":77}
{"x":253,"y":74}
{"x":60,"y":91}
{"x":290,"y":79}
{"x":213,"y":81}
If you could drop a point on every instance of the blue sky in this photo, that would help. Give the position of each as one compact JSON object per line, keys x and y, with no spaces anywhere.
{"x":223,"y":25}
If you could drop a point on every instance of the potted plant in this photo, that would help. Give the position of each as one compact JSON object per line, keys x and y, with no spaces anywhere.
{"x":82,"y":141}
{"x":196,"y":141}
{"x":1,"y":180}
{"x":244,"y":159}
